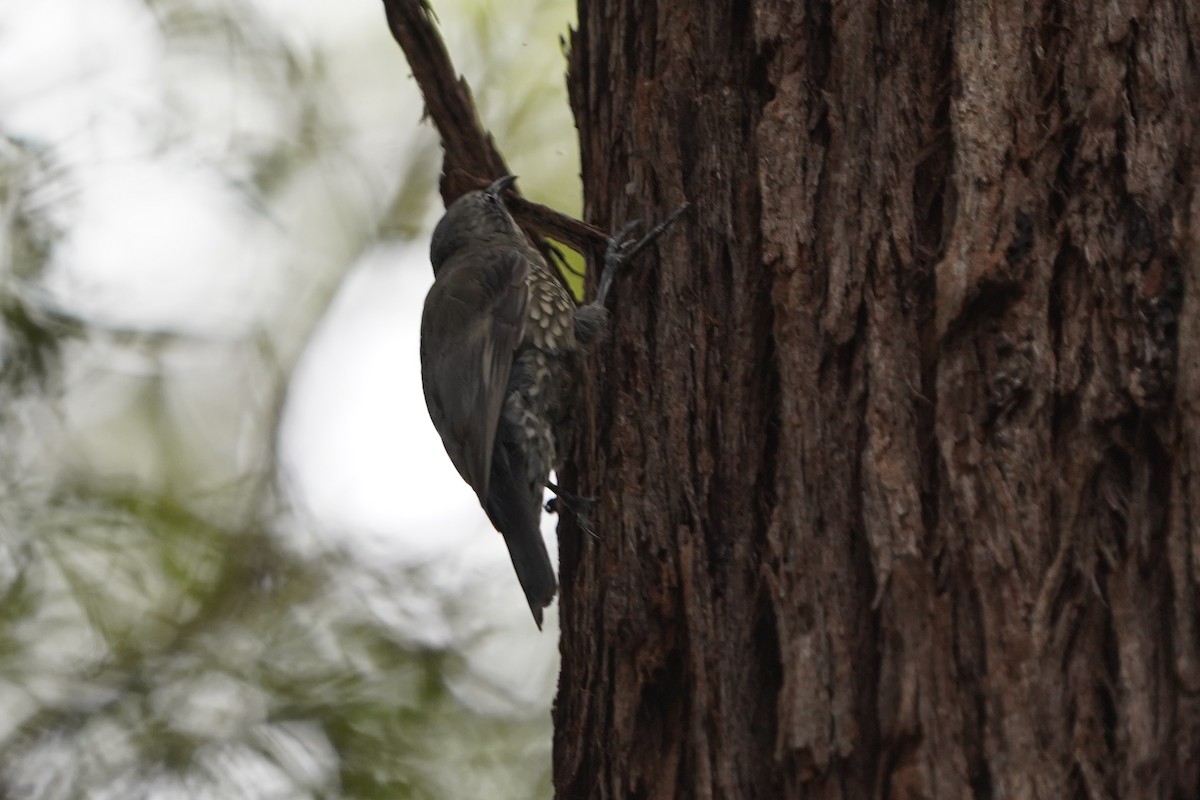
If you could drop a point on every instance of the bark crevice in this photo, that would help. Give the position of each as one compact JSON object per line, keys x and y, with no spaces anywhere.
{"x":902,"y":424}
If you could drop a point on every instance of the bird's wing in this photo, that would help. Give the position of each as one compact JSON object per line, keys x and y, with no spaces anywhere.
{"x":471,"y":327}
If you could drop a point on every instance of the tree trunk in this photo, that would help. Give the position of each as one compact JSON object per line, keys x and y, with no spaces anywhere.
{"x":897,"y":438}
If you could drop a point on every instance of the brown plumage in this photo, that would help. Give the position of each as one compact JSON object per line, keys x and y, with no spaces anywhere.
{"x":501,"y":340}
{"x":497,"y":334}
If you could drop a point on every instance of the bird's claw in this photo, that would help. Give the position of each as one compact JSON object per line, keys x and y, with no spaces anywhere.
{"x":620,"y":243}
{"x":623,"y":247}
{"x":587,"y":526}
{"x":580,"y":506}
{"x":576,"y":503}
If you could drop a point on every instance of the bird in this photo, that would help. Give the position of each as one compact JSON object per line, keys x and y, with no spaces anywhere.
{"x":502,"y":341}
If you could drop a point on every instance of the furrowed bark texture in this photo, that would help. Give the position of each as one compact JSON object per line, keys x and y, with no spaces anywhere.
{"x":897,"y":438}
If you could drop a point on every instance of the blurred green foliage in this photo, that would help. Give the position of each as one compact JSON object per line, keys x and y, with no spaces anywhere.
{"x":168,"y":628}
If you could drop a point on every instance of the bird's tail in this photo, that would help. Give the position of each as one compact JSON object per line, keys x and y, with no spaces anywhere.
{"x":532,"y":564}
{"x":517,"y":514}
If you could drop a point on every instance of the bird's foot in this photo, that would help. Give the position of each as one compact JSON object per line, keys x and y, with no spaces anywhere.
{"x":623,"y":247}
{"x":580,"y":506}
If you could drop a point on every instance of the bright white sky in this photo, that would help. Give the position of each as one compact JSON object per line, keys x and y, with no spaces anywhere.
{"x":162,"y":239}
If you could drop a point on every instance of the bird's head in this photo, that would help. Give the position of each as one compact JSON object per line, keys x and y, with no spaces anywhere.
{"x":474,"y":218}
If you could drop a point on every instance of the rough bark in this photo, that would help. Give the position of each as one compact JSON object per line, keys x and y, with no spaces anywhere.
{"x":897,"y":440}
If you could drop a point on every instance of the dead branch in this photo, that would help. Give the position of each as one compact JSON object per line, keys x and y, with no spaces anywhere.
{"x":471,"y":159}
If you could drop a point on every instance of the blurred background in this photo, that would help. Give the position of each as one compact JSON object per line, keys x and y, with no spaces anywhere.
{"x":235,"y":561}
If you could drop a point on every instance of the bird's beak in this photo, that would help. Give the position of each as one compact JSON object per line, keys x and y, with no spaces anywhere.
{"x":499,"y":186}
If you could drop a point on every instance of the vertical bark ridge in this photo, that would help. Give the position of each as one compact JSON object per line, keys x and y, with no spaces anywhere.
{"x":895,"y":437}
